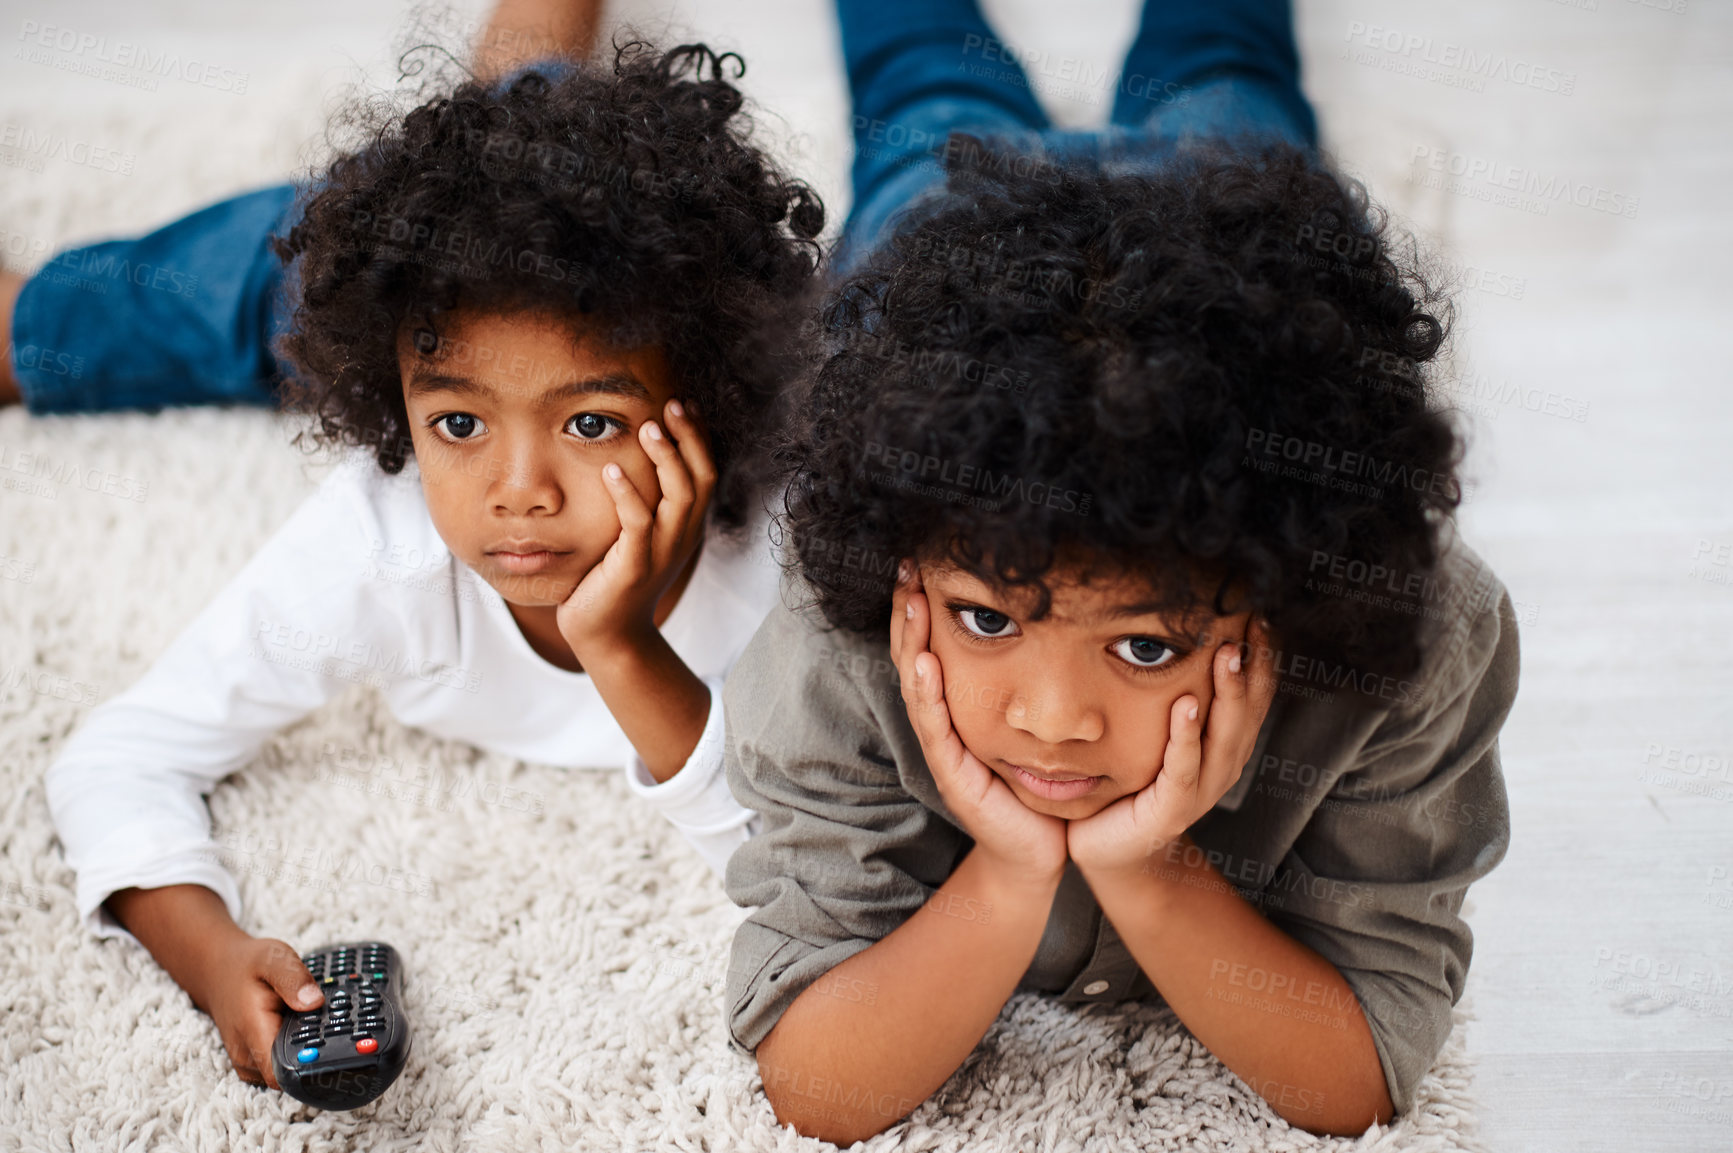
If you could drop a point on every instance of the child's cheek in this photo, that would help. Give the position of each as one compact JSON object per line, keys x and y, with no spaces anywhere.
{"x":1142,"y":758}
{"x":641,"y":471}
{"x":975,"y":726}
{"x":977,"y":707}
{"x":445,"y":509}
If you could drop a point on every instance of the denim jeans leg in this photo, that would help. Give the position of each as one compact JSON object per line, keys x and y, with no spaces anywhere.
{"x":1184,"y":50}
{"x":184,"y":315}
{"x":917,"y":70}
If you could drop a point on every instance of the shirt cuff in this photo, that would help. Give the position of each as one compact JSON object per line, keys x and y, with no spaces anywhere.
{"x":188,"y":868}
{"x":696,"y":800}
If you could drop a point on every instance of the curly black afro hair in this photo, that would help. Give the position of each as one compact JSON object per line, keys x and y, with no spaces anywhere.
{"x":1206,"y":376}
{"x":627,"y":195}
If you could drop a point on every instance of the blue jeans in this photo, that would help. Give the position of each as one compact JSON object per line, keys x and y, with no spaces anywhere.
{"x":185,"y":315}
{"x":1199,"y":70}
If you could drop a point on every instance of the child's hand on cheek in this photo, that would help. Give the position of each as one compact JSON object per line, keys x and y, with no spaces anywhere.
{"x":1204,"y":756}
{"x":615,"y":603}
{"x":1026,"y":844}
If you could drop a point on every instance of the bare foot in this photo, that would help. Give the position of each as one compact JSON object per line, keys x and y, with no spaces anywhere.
{"x":522,"y":32}
{"x":11,"y":284}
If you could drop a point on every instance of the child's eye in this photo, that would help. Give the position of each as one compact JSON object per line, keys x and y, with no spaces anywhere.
{"x":458,"y":426}
{"x":593,"y":426}
{"x":1144,"y":652}
{"x":986,"y":623}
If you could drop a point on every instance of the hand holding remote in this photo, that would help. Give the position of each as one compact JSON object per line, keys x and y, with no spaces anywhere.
{"x":252,"y":980}
{"x":243,"y":982}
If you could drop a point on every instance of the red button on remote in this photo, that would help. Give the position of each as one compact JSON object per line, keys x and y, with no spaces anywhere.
{"x":366,"y":1045}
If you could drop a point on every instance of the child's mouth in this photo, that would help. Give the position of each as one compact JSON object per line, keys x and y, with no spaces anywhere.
{"x":1054,"y":788}
{"x":528,"y":563}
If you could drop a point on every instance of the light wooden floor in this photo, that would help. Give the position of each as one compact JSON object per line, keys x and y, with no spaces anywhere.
{"x":1603,"y":976}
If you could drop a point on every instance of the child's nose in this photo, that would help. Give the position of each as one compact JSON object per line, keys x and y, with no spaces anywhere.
{"x":1051,"y":709}
{"x":524,"y":482}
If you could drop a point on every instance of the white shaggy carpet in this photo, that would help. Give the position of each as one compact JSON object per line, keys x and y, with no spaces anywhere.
{"x":565,"y":952}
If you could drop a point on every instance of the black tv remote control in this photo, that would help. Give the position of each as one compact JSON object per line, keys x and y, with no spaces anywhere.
{"x":349,"y":1050}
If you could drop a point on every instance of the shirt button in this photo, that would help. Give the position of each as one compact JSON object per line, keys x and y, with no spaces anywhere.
{"x":1095,"y":988}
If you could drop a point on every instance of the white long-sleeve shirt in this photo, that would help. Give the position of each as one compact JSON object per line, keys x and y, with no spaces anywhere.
{"x":358,"y":587}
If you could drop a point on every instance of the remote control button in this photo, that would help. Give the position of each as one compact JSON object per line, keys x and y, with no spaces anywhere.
{"x":307,"y":1056}
{"x":366,"y":1045}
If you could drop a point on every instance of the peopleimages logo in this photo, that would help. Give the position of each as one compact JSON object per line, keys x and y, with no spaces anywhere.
{"x":89,"y":51}
{"x":49,"y":146}
{"x":1482,"y":178}
{"x":1322,"y":460}
{"x":1482,"y":66}
{"x":917,"y":468}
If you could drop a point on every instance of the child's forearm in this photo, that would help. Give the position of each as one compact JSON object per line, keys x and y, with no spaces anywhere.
{"x":879,"y":1033}
{"x":1272,"y":1010}
{"x":181,"y":926}
{"x":660,"y":703}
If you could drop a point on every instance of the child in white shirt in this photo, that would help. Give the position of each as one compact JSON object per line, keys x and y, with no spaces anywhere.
{"x":573,"y":367}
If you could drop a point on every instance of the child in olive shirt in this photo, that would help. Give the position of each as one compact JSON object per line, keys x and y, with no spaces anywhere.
{"x":1187,"y":687}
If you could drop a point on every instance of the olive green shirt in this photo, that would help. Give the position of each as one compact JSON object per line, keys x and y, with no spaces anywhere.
{"x":1366,"y":810}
